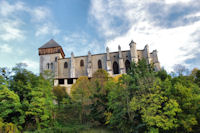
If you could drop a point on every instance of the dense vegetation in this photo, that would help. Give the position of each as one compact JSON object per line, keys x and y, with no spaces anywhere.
{"x":141,"y":101}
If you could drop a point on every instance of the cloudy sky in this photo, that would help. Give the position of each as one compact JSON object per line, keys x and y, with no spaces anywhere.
{"x":170,"y":26}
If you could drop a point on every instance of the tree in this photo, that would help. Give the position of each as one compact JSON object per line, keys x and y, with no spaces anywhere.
{"x":180,"y":69}
{"x":60,"y":94}
{"x":10,"y":107}
{"x":36,"y":97}
{"x":98,"y":97}
{"x":80,"y":93}
{"x":156,"y":109}
{"x":136,"y":83}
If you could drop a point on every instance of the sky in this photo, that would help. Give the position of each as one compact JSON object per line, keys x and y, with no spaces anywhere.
{"x":170,"y":26}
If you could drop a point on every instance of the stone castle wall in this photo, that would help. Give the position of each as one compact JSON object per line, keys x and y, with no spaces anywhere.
{"x":67,"y":70}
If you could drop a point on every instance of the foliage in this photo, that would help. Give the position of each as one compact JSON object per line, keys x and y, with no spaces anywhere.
{"x":60,"y":93}
{"x":10,"y":107}
{"x":140,"y":101}
{"x":99,"y":98}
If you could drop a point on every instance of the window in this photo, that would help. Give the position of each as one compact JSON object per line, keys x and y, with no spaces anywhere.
{"x":69,"y":81}
{"x":127,"y":65}
{"x":56,"y":59}
{"x":52,"y":66}
{"x":47,"y":65}
{"x":81,"y":63}
{"x":61,"y":81}
{"x":65,"y":65}
{"x":99,"y":64}
{"x":115,"y":68}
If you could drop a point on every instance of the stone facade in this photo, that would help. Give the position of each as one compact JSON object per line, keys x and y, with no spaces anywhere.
{"x":67,"y":70}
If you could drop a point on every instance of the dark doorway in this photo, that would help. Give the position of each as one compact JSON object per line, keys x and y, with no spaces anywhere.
{"x":99,"y":64}
{"x":127,"y":65}
{"x":115,"y":68}
{"x":61,"y":81}
{"x":69,"y":81}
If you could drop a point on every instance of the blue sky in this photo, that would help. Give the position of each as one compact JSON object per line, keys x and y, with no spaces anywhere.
{"x":170,"y":26}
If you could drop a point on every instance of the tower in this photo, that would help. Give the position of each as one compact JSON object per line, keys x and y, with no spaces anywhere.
{"x":49,"y":54}
{"x":133,"y":51}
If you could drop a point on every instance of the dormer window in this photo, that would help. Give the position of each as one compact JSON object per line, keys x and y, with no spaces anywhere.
{"x":81,"y":63}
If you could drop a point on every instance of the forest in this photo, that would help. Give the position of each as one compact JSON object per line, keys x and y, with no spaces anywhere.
{"x":141,"y":101}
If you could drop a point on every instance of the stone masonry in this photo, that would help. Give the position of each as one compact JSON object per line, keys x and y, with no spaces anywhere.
{"x":67,"y":70}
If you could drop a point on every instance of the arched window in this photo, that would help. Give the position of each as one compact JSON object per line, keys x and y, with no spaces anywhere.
{"x":99,"y":64}
{"x":56,"y":59}
{"x":81,"y":63}
{"x":127,"y":65}
{"x":52,"y":66}
{"x":65,"y":65}
{"x":115,"y":68}
{"x":47,"y":65}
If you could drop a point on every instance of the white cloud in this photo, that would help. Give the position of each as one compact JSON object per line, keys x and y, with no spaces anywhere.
{"x":10,"y":30}
{"x":40,"y":14}
{"x":5,"y":48}
{"x":76,"y":41}
{"x":177,"y":1}
{"x":175,"y":45}
{"x":32,"y":65}
{"x":7,"y":9}
{"x":47,"y":28}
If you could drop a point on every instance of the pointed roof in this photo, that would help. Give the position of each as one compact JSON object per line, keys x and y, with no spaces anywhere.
{"x":50,"y":44}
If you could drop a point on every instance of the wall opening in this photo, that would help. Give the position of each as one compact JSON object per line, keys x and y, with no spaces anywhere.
{"x":127,"y":65}
{"x":65,"y":65}
{"x":61,"y":81}
{"x":81,"y":63}
{"x":69,"y":81}
{"x":99,"y":64}
{"x":115,"y":68}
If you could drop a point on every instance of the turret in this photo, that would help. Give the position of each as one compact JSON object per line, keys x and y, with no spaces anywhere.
{"x":147,"y":54}
{"x":121,"y":62}
{"x":155,"y":60}
{"x":133,"y":51}
{"x":108,"y":62}
{"x":72,"y":66}
{"x":89,"y":65}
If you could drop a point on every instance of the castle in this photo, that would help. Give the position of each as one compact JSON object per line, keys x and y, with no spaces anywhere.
{"x":68,"y":70}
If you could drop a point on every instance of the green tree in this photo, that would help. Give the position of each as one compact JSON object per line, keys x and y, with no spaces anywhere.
{"x":80,"y":93}
{"x":156,"y":109}
{"x":136,"y":83}
{"x":98,"y":97}
{"x":10,"y":107}
{"x":60,"y":94}
{"x":35,"y":95}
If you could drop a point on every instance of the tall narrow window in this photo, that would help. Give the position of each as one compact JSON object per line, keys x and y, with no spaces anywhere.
{"x":115,"y":68}
{"x":81,"y":63}
{"x":65,"y":65}
{"x":127,"y":65}
{"x":52,"y":66}
{"x":99,"y":64}
{"x":47,"y":65}
{"x":56,"y":59}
